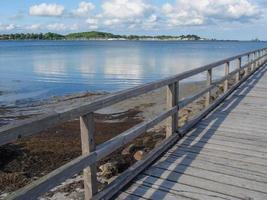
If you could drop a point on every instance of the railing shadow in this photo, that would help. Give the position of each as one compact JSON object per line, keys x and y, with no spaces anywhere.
{"x":214,"y":121}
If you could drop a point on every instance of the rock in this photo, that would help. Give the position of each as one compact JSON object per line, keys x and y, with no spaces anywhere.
{"x":108,"y":170}
{"x":129,"y":150}
{"x":139,"y":155}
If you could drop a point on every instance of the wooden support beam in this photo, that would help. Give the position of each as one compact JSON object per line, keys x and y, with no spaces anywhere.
{"x":209,"y":82}
{"x":246,"y":69}
{"x":172,"y":101}
{"x":87,"y":125}
{"x":238,"y":67}
{"x":226,"y":72}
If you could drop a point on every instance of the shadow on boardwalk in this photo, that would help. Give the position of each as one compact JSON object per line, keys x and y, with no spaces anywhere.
{"x":183,"y":151}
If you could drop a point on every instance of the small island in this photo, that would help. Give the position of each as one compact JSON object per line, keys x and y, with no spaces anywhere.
{"x":93,"y":35}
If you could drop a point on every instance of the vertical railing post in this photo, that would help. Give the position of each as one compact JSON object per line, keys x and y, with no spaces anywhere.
{"x":209,"y":82}
{"x":264,"y":54}
{"x":172,"y":101}
{"x":261,"y":60}
{"x":238,"y":67}
{"x":246,"y":69}
{"x":87,"y":126}
{"x":255,"y":58}
{"x":226,"y":72}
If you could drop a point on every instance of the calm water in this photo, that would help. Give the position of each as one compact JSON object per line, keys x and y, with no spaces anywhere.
{"x":32,"y":70}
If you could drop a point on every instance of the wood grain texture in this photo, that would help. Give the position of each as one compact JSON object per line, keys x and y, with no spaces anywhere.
{"x":87,"y":124}
{"x":224,"y":156}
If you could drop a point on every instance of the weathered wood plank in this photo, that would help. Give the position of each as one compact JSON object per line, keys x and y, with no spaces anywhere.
{"x":126,"y":196}
{"x":205,"y":183}
{"x":178,"y":188}
{"x":240,"y":164}
{"x":231,"y":155}
{"x":207,"y":173}
{"x":213,"y":166}
{"x":153,"y":194}
{"x":87,"y":125}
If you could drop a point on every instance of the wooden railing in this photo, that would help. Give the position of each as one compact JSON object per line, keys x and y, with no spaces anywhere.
{"x":91,"y":153}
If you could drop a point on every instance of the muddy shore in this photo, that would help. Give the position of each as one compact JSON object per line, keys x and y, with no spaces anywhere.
{"x":30,"y":158}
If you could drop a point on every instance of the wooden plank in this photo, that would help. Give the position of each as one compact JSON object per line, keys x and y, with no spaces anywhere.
{"x":224,"y":144}
{"x":258,"y":134}
{"x":223,"y":154}
{"x":212,"y":166}
{"x":219,"y":160}
{"x":126,"y":196}
{"x":180,"y":189}
{"x":216,"y":176}
{"x":153,"y":194}
{"x":87,"y":125}
{"x":206,"y":183}
{"x":261,"y":153}
{"x":210,"y":135}
{"x":238,"y":127}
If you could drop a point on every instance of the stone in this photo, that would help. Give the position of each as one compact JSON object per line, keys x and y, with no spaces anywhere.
{"x":108,"y":170}
{"x":139,"y":155}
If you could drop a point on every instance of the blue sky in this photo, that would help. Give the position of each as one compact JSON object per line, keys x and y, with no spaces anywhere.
{"x":220,"y":19}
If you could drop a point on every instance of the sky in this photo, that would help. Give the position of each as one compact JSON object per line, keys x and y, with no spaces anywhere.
{"x":219,"y":19}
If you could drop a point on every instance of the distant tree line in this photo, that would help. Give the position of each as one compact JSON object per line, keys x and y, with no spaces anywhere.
{"x":90,"y":35}
{"x":32,"y":36}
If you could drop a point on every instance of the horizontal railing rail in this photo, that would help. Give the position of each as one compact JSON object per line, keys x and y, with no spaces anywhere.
{"x":91,"y":153}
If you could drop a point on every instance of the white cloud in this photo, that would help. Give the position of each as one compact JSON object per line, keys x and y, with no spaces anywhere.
{"x":125,"y":8}
{"x":7,"y":27}
{"x":84,"y":8}
{"x":93,"y":23}
{"x":62,"y":27}
{"x":196,"y":12}
{"x":33,"y":27}
{"x":47,"y":10}
{"x":126,"y":13}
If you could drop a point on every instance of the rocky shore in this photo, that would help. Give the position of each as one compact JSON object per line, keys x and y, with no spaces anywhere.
{"x":30,"y":158}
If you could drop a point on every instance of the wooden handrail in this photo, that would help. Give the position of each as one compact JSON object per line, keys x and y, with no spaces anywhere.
{"x":92,"y":154}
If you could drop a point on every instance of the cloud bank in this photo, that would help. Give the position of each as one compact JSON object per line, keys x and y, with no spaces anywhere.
{"x":140,"y":15}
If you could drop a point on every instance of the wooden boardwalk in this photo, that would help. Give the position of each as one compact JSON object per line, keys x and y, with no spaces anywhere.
{"x":223,"y":157}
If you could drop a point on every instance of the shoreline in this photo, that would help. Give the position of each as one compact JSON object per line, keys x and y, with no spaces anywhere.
{"x":10,"y":113}
{"x":21,"y":160}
